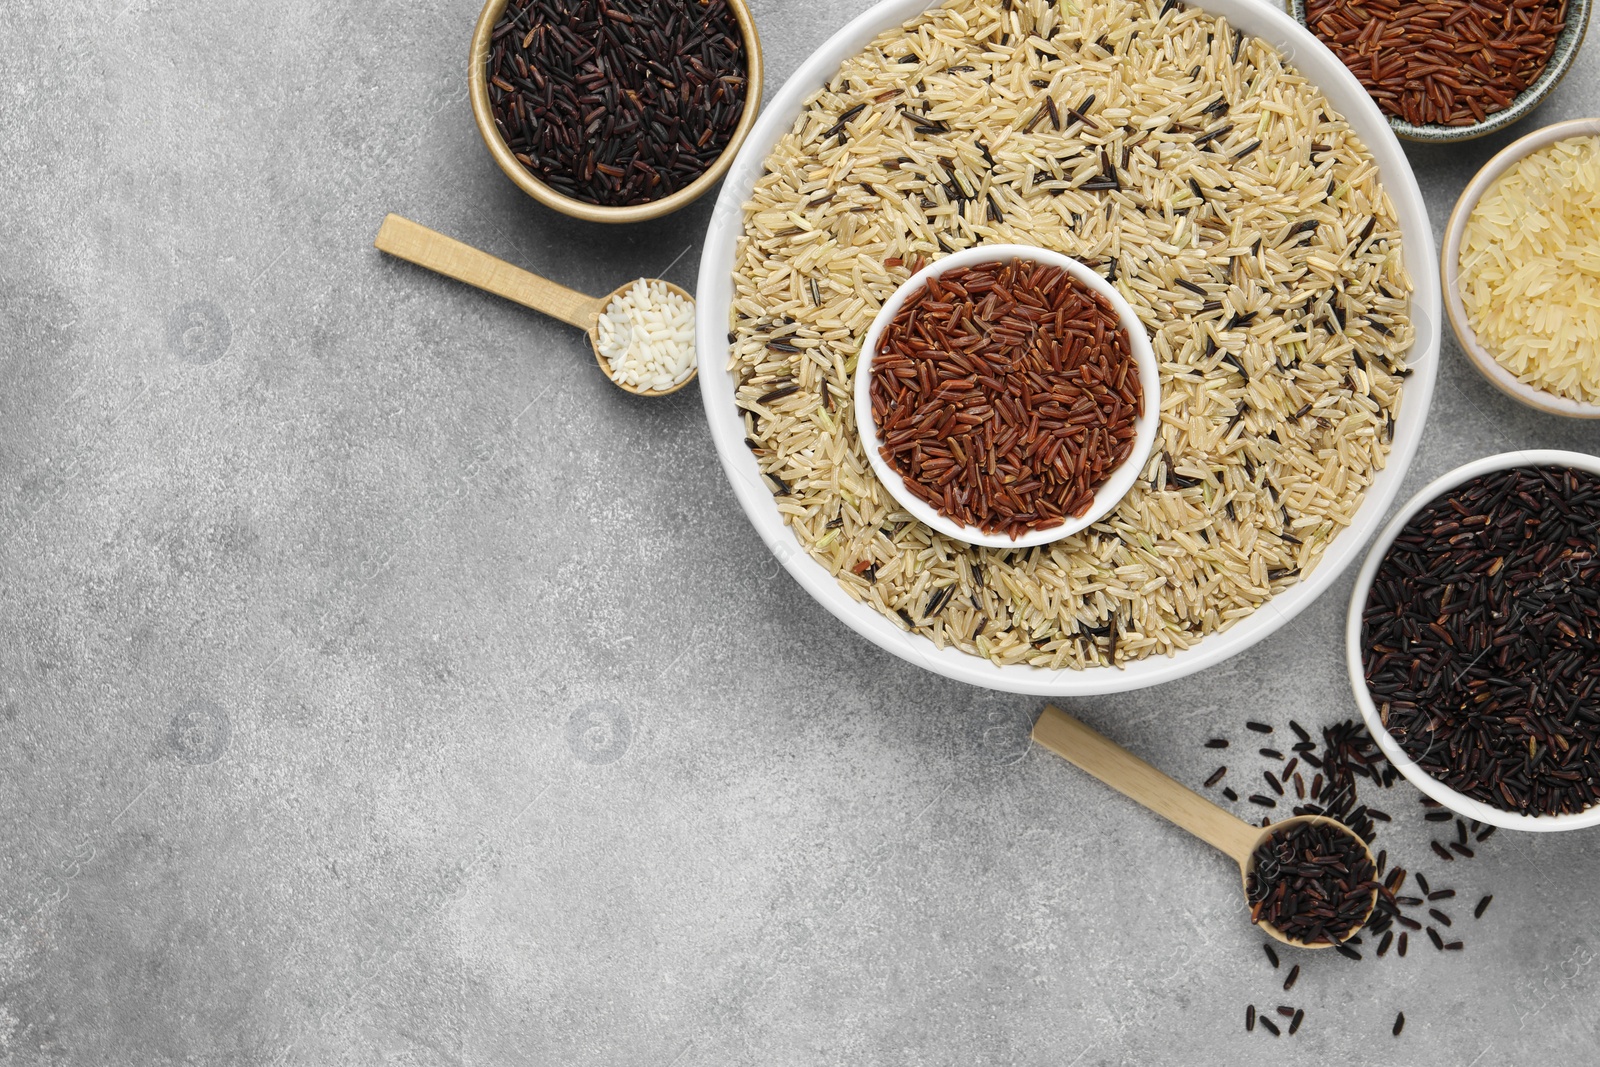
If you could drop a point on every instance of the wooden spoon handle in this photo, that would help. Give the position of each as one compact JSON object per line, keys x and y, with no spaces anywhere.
{"x":427,"y":248}
{"x":1134,"y":778}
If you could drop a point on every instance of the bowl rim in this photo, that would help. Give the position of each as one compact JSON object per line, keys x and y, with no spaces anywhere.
{"x":1355,"y":666}
{"x":1450,"y":269}
{"x":1562,"y":57}
{"x":1109,"y":493}
{"x":483,"y":116}
{"x":713,"y":298}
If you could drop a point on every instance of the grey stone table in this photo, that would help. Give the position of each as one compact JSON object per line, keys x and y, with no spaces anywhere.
{"x":379,"y":684}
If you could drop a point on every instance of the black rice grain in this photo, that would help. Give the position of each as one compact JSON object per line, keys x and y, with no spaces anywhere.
{"x":1313,"y":882}
{"x":617,"y":102}
{"x":1481,"y":638}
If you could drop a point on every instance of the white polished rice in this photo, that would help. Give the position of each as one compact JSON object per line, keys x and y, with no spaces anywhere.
{"x":1530,"y":269}
{"x":1280,"y":377}
{"x":647,"y":336}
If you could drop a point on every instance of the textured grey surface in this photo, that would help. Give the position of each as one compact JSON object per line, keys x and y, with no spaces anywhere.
{"x":379,"y":684}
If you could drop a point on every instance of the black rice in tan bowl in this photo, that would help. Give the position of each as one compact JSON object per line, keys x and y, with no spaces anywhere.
{"x":615,"y":110}
{"x":1478,"y":652}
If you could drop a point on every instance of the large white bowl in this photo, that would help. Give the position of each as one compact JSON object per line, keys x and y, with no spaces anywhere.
{"x":1355,"y":661}
{"x":1111,"y":491}
{"x":715,"y":294}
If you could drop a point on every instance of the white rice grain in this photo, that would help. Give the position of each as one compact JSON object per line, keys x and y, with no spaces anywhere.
{"x":1530,"y":269}
{"x":647,"y":336}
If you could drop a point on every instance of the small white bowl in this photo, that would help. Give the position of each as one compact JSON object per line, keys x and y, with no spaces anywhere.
{"x":1355,"y":661}
{"x":1450,"y":271}
{"x":1112,"y":490}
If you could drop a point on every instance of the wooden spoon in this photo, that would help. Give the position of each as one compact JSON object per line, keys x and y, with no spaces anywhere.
{"x":417,"y":244}
{"x":1134,"y":778}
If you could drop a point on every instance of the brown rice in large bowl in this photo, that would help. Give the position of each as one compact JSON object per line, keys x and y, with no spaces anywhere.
{"x":1217,"y":188}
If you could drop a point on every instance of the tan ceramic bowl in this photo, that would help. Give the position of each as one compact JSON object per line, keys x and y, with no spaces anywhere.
{"x":478,"y":88}
{"x":1450,"y":271}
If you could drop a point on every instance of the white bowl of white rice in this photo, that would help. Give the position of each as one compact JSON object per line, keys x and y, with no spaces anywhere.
{"x":1327,"y":366}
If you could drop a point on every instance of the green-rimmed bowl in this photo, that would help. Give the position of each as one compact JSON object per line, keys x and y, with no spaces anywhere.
{"x":1567,"y":45}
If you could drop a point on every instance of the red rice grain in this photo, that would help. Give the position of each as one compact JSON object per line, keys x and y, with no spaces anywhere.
{"x":1005,"y":394}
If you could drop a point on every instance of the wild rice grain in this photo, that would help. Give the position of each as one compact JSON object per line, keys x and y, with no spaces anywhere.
{"x":1144,"y":574}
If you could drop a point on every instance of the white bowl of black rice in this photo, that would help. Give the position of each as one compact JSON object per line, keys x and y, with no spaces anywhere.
{"x":1473,"y":640}
{"x":1097,"y":612}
